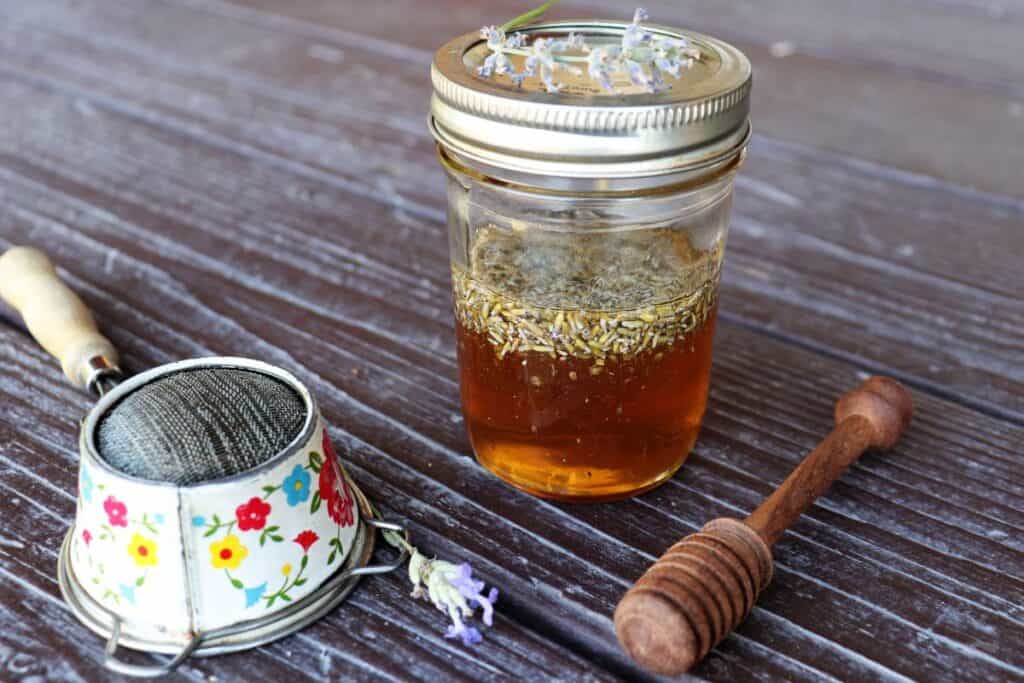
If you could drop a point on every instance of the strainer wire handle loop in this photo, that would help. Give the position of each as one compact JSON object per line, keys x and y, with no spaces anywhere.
{"x":403,"y":555}
{"x":139,"y":670}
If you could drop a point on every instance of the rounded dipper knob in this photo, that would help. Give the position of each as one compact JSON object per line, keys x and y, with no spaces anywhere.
{"x":885,"y":403}
{"x":707,"y":583}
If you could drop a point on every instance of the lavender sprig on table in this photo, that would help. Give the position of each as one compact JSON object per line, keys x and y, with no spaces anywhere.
{"x":640,"y":55}
{"x":451,"y":588}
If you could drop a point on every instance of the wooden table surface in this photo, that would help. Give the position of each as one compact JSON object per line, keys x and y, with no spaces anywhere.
{"x":257,"y":179}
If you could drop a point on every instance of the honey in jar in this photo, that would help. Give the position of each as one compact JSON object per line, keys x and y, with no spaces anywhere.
{"x":584,"y":360}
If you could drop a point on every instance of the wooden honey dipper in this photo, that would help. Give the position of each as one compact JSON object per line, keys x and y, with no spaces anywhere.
{"x":707,"y":583}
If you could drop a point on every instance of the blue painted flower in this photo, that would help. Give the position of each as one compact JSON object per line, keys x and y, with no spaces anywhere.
{"x":159,"y":518}
{"x":296,"y":486}
{"x":253,"y":595}
{"x":199,"y":521}
{"x":86,"y":485}
{"x":128,"y":592}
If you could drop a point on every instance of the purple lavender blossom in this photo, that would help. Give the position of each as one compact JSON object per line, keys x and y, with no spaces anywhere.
{"x":472,"y":590}
{"x":453,"y":591}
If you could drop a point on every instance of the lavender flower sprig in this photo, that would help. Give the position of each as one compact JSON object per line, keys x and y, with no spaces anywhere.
{"x":451,"y":588}
{"x":641,"y":56}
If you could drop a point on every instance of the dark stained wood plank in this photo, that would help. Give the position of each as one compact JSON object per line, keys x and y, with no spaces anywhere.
{"x":820,"y":244}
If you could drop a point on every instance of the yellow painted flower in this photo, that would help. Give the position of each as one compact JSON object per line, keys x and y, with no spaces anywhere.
{"x":143,"y":550}
{"x":286,"y":569}
{"x":228,"y":553}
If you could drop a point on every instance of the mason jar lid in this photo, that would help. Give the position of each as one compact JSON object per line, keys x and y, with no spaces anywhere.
{"x":698,"y":120}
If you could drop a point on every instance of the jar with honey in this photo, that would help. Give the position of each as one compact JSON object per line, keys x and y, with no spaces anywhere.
{"x":587,"y":228}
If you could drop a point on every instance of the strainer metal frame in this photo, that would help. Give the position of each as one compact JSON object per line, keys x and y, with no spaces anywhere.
{"x":243,"y":635}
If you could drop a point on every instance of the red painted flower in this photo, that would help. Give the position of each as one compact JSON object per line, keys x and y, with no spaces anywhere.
{"x":117,"y":512}
{"x":87,"y":537}
{"x":334,"y":489}
{"x":306,"y":539}
{"x":252,"y":516}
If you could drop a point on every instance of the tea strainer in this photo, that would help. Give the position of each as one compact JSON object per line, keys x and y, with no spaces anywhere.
{"x":213,"y":514}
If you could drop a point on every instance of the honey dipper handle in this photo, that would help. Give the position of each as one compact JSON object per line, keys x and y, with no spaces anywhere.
{"x":55,"y":316}
{"x":871,"y":416}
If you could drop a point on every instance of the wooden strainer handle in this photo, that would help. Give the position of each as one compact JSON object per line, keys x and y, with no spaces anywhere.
{"x":707,"y":583}
{"x":54,"y":314}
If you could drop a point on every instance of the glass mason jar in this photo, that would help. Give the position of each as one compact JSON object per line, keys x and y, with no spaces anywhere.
{"x":587,"y":232}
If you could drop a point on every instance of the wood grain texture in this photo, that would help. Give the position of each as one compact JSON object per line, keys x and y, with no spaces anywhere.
{"x":258,"y":181}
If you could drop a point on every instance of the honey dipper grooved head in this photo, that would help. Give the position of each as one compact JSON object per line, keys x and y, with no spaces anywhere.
{"x":692,"y":597}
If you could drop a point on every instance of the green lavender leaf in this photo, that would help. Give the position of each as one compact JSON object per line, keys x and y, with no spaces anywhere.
{"x":528,"y":17}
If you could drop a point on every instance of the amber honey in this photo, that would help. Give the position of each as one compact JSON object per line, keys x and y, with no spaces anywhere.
{"x":585,"y":360}
{"x":555,"y":428}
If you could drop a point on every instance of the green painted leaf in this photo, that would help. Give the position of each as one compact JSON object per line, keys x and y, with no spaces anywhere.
{"x":315,"y":505}
{"x":269,"y":489}
{"x":270,"y":600}
{"x":211,"y":532}
{"x":330,"y":558}
{"x":141,"y":580}
{"x":299,"y":582}
{"x":315,"y":461}
{"x":284,"y":596}
{"x":277,"y":539}
{"x":237,"y":583}
{"x":305,"y":561}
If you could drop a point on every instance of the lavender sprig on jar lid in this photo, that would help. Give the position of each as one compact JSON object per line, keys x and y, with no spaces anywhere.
{"x":640,"y":55}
